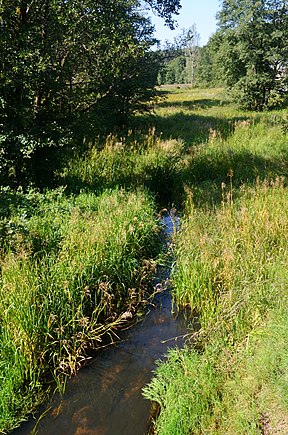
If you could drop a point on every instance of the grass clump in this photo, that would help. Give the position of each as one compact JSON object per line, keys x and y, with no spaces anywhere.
{"x":231,"y":270}
{"x":232,"y":256}
{"x":226,"y":390}
{"x":72,"y":270}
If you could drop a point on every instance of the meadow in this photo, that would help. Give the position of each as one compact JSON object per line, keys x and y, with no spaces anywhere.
{"x":76,"y":261}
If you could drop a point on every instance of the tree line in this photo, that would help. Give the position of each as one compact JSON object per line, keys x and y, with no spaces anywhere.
{"x":248,"y":53}
{"x":72,"y":69}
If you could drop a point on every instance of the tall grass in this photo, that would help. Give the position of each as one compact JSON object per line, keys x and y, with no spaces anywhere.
{"x":72,"y":263}
{"x":231,"y":270}
{"x":71,"y":270}
{"x":233,"y":255}
{"x":194,"y":139}
{"x":129,"y":163}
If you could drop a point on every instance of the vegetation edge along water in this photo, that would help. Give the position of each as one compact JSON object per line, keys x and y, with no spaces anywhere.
{"x":73,"y":271}
{"x":72,"y":72}
{"x":74,"y":256}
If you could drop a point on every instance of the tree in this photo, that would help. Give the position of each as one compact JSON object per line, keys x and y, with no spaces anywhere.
{"x":191,"y":39}
{"x":205,"y":69}
{"x":254,"y":50}
{"x":179,"y":59}
{"x":67,"y":68}
{"x":165,"y":9}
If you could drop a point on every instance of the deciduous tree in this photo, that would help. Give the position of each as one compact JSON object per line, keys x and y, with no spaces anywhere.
{"x":67,"y":67}
{"x":254,"y":50}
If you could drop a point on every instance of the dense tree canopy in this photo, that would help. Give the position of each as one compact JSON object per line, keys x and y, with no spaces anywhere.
{"x":69,"y":67}
{"x":254,"y":50}
{"x":248,"y":53}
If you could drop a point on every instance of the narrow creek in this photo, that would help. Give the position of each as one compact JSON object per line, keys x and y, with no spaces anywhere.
{"x":105,"y":398}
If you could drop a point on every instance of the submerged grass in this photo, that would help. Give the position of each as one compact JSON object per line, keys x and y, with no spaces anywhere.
{"x":72,"y":270}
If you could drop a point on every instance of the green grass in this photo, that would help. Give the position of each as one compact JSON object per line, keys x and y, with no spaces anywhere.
{"x":231,"y":271}
{"x":191,"y":142}
{"x":75,"y":260}
{"x":227,"y":391}
{"x":129,"y":162}
{"x":70,"y":268}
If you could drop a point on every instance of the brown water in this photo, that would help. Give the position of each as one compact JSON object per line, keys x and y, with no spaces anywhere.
{"x":105,"y":397}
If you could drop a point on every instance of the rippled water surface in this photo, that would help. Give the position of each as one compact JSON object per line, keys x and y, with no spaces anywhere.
{"x":105,"y":396}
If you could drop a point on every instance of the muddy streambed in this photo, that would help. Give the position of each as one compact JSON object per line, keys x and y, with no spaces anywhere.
{"x":106,"y":395}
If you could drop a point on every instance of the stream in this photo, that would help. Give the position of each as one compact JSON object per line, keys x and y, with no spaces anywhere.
{"x":105,"y":398}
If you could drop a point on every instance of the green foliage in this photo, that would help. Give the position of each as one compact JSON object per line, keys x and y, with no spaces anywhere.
{"x":253,"y":50}
{"x":72,"y":261}
{"x":180,"y":59}
{"x":183,"y":388}
{"x":174,"y":72}
{"x":166,"y":9}
{"x":70,"y":70}
{"x":236,"y":391}
{"x":207,"y":68}
{"x":230,"y":271}
{"x":127,"y":162}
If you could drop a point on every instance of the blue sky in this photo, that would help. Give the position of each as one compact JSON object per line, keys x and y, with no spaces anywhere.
{"x":202,"y":13}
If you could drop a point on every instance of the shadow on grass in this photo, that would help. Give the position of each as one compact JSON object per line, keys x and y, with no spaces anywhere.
{"x":193,"y":129}
{"x":167,"y":177}
{"x":205,"y":103}
{"x":203,"y":175}
{"x":10,"y":201}
{"x":158,"y":179}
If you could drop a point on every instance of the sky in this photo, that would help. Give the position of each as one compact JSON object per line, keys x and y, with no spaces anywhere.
{"x":201,"y":12}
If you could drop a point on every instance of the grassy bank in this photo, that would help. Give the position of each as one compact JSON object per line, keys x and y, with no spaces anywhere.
{"x":72,"y":270}
{"x":231,"y":271}
{"x":74,"y":261}
{"x":191,"y":142}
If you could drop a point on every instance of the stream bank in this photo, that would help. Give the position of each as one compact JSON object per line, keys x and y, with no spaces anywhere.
{"x":106,"y":395}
